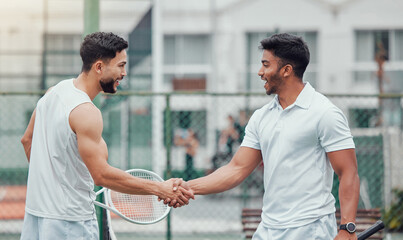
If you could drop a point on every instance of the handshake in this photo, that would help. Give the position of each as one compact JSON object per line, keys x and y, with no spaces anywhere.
{"x":175,"y":192}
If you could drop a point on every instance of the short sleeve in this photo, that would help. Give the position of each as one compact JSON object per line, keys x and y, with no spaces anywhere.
{"x":334,"y":132}
{"x":251,"y":138}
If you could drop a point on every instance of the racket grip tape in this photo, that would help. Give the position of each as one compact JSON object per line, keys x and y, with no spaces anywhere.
{"x":371,"y":230}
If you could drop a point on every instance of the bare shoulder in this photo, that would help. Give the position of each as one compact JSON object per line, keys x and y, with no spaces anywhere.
{"x":86,"y":109}
{"x":86,"y":116}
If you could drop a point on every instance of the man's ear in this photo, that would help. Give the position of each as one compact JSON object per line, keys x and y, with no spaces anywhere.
{"x":288,"y":69}
{"x":98,"y":66}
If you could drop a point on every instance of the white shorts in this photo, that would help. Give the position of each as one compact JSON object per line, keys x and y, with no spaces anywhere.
{"x":38,"y":228}
{"x":324,"y":228}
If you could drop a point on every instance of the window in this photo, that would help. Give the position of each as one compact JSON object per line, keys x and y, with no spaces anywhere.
{"x":186,"y":59}
{"x":62,"y":57}
{"x":371,"y":43}
{"x":253,"y":82}
{"x":186,"y":49}
{"x":398,"y":45}
{"x":369,"y":46}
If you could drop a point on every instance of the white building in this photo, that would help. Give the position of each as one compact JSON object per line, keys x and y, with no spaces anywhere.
{"x":208,"y":45}
{"x":213,"y":39}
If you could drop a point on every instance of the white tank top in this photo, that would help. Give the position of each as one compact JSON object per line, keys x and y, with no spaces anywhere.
{"x":59,"y":183}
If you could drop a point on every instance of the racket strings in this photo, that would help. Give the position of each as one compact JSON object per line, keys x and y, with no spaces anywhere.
{"x":139,"y":208}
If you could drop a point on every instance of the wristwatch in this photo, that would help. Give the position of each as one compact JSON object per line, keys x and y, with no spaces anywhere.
{"x":349,"y":227}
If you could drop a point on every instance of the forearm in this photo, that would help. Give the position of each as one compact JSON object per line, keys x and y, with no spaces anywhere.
{"x":121,"y":181}
{"x":349,"y":192}
{"x":242,"y":164}
{"x":221,"y":180}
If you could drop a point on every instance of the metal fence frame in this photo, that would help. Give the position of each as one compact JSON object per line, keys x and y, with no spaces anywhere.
{"x":167,"y":98}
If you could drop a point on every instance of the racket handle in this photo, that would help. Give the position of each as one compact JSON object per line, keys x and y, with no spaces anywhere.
{"x":371,"y":230}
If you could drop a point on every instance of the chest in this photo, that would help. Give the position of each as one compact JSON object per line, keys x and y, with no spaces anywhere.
{"x":296,"y":128}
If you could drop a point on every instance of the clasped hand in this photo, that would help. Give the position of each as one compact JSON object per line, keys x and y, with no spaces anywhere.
{"x":176,"y":193}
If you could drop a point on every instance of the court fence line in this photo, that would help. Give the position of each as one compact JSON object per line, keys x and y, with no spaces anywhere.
{"x":145,"y":130}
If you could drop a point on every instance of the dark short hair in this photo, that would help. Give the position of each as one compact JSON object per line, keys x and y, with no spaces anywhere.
{"x":100,"y":46}
{"x":290,"y":49}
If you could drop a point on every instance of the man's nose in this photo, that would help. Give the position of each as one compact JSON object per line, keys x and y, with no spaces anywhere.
{"x":260,"y":72}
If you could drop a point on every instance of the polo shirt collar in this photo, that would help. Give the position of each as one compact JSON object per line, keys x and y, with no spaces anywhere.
{"x":305,"y":97}
{"x":303,"y":100}
{"x":274,"y":103}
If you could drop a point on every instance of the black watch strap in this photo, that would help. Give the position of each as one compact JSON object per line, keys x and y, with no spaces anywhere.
{"x":349,"y":227}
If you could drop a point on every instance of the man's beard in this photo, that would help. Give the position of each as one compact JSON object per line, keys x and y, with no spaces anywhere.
{"x":108,"y":86}
{"x":276,"y":79}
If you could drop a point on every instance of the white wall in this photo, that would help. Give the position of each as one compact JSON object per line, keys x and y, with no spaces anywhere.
{"x":21,"y":26}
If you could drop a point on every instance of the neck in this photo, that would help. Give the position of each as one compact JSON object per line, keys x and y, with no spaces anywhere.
{"x":88,"y":84}
{"x":289,"y":92}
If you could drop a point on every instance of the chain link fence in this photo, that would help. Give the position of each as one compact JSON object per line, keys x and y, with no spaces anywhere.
{"x":189,"y":136}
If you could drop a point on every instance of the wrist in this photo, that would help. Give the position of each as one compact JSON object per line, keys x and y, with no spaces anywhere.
{"x":196,"y":187}
{"x":156,"y":189}
{"x":349,"y":227}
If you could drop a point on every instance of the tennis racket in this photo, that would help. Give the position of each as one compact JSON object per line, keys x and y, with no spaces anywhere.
{"x":371,"y":230}
{"x":139,"y":209}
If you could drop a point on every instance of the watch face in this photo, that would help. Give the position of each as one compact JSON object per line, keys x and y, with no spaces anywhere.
{"x":350,"y":227}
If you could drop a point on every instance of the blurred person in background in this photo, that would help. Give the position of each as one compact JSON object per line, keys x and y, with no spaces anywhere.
{"x":302,"y":139}
{"x":191,"y":144}
{"x":67,"y":154}
{"x":240,"y":125}
{"x":228,"y":137}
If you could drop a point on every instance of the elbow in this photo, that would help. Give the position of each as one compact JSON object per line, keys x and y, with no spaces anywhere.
{"x":25,"y":141}
{"x":98,"y":180}
{"x":356,"y":177}
{"x":351,"y":178}
{"x":100,"y":172}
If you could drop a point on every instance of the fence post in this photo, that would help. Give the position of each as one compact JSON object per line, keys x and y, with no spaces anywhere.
{"x":400,"y":113}
{"x":43,"y":85}
{"x":168,"y":145}
{"x":91,"y":24}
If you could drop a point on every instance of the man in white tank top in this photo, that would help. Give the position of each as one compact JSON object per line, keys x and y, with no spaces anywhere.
{"x":67,"y":154}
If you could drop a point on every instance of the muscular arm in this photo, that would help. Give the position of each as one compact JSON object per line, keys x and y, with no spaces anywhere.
{"x":26,"y":139}
{"x":344,"y":163}
{"x":86,"y":121}
{"x":242,"y":164}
